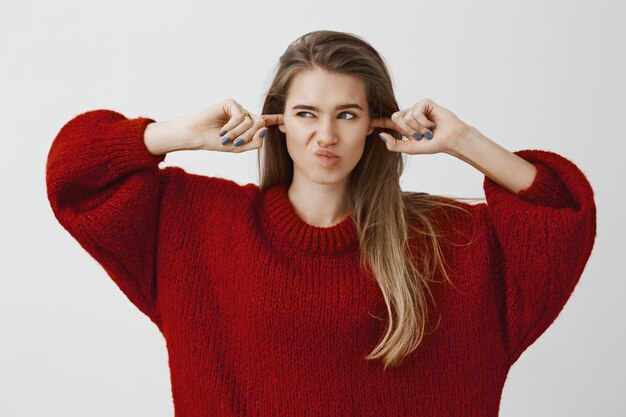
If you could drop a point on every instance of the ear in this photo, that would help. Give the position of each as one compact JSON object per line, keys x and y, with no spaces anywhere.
{"x":282,"y":128}
{"x":369,"y":132}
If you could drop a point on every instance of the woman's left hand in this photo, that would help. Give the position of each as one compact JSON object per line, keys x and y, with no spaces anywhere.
{"x":441,"y":130}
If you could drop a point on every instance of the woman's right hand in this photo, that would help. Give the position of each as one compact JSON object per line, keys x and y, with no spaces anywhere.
{"x":224,"y":128}
{"x":202,"y":130}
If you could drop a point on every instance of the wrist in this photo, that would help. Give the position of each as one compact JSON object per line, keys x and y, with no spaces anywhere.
{"x":169,"y":135}
{"x":461,"y":148}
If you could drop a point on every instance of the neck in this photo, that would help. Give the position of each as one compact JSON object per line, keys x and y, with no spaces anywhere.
{"x":320,"y":205}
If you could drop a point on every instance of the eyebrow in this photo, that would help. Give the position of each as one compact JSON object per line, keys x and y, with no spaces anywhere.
{"x":340,"y":107}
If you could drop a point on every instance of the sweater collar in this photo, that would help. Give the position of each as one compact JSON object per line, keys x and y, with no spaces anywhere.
{"x":286,"y":230}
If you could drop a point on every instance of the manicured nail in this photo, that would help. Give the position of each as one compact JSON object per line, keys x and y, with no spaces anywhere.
{"x":417,"y":136}
{"x":263,"y":133}
{"x":428,"y":135}
{"x":223,"y":132}
{"x":238,"y":142}
{"x":225,"y":141}
{"x":383,"y":138}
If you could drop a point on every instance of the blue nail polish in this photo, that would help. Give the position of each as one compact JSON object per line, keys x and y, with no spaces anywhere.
{"x":238,"y":142}
{"x":263,"y":133}
{"x":428,"y":135}
{"x":383,"y":138}
{"x":417,"y":136}
{"x":223,"y":132}
{"x":225,"y":141}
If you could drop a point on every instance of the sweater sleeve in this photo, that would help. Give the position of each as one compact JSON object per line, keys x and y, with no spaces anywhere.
{"x":540,"y":242}
{"x":104,"y":188}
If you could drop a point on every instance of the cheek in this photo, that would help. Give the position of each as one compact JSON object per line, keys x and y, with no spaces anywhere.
{"x":357,"y":151}
{"x":297,"y":135}
{"x":293,"y":129}
{"x":296,"y":145}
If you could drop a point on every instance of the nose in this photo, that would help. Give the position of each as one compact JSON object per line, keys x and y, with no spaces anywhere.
{"x":326,"y":131}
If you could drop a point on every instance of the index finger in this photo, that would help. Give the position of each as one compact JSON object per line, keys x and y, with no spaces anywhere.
{"x":272,"y":119}
{"x":384,"y":122}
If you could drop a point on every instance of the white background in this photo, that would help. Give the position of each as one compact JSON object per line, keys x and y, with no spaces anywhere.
{"x":529,"y":75}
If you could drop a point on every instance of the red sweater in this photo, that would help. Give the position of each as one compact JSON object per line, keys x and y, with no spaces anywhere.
{"x":266,"y":315}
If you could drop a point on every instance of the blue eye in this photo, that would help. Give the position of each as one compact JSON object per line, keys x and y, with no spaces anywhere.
{"x":345,"y":112}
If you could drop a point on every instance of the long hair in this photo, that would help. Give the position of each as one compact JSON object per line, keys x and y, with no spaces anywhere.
{"x":386,"y":217}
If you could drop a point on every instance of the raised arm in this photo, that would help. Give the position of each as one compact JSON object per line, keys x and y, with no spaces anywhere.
{"x":540,"y":241}
{"x":104,"y":187}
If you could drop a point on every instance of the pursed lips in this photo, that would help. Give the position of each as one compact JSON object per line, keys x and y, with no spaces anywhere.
{"x":326,"y":154}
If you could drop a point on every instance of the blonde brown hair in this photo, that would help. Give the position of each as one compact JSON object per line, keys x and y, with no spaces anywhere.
{"x":386,"y":218}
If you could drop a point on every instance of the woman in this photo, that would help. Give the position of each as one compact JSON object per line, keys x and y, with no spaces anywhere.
{"x":326,"y":290}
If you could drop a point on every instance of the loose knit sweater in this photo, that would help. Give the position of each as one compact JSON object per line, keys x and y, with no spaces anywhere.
{"x":266,"y":315}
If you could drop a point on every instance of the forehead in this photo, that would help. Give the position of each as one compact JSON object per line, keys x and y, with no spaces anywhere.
{"x":326,"y":89}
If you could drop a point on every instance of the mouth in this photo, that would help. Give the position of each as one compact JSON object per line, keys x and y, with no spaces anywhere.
{"x":327,"y":161}
{"x":326,"y":154}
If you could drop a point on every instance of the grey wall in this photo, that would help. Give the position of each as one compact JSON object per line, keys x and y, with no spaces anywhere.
{"x":532,"y":74}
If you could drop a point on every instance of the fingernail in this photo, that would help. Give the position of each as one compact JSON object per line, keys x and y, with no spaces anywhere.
{"x":238,"y":142}
{"x":263,"y":133}
{"x":383,"y":138}
{"x":428,"y":135}
{"x":223,"y":132}
{"x":417,"y":136}
{"x":225,"y":141}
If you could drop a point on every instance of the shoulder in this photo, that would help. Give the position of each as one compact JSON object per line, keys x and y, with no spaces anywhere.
{"x":205,"y":190}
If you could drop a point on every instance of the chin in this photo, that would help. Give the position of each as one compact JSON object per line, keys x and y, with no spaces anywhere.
{"x":328,"y":179}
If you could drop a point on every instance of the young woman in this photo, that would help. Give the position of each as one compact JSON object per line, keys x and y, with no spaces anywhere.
{"x":326,"y":290}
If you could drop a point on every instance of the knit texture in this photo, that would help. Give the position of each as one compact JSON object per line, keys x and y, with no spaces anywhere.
{"x":266,"y":315}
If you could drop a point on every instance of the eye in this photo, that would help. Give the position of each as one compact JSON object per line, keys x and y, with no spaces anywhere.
{"x":351,"y":114}
{"x":345,"y":112}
